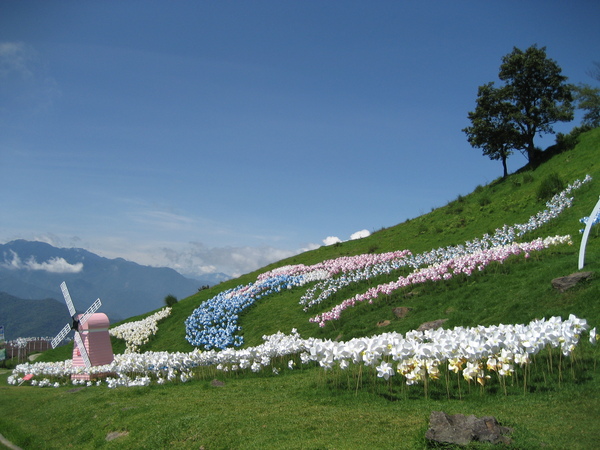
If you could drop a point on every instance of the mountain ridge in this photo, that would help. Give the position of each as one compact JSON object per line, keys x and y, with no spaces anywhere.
{"x":34,"y":270}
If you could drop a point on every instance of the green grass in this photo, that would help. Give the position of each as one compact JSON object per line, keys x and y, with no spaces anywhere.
{"x":310,"y":408}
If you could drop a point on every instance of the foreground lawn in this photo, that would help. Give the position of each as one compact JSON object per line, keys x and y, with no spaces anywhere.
{"x":296,"y":409}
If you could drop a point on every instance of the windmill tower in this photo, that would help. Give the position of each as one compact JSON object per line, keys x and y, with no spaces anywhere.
{"x":92,"y":341}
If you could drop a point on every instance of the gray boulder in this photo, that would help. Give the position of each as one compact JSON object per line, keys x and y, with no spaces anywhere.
{"x":564,"y":283}
{"x":461,"y":430}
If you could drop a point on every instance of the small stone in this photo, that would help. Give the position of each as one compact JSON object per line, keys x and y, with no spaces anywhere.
{"x":401,"y":311}
{"x":383,"y":323}
{"x":431,"y":325}
{"x":72,"y":391}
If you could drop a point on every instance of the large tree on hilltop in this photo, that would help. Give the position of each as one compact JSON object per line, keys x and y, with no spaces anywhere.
{"x":535,"y":95}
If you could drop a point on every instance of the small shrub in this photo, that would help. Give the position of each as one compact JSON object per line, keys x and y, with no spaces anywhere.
{"x":170,"y":300}
{"x":521,"y":180}
{"x":527,"y":178}
{"x":550,"y":186}
{"x":484,"y":201}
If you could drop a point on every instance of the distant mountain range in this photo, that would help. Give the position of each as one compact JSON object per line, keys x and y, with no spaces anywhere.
{"x":31,"y":271}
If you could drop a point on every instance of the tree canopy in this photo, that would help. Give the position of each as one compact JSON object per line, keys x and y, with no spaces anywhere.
{"x":535,"y":95}
{"x":588,"y":99}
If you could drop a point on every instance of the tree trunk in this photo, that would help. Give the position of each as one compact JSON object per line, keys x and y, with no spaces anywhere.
{"x":504,"y":167}
{"x":532,"y":153}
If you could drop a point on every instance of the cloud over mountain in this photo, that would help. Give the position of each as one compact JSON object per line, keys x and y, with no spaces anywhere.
{"x":52,"y":265}
{"x":198,"y":258}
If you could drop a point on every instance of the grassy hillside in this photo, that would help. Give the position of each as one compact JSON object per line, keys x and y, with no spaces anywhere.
{"x":312,"y":408}
{"x":508,"y":201}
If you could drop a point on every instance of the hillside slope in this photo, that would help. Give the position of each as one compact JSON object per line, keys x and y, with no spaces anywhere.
{"x":503,"y":202}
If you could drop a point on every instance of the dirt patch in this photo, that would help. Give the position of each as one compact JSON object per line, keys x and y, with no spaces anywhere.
{"x":217,"y":383}
{"x":116,"y":434}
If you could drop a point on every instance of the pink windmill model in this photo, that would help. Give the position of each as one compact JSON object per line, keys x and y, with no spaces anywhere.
{"x":92,"y":341}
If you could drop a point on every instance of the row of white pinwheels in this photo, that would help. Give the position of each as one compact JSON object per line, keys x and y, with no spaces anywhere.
{"x":214,"y":323}
{"x":416,"y":356}
{"x":421,"y":354}
{"x":135,"y":334}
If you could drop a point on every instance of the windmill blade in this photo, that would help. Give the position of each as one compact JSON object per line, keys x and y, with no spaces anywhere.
{"x":67,"y":296}
{"x":82,"y":350}
{"x":60,"y":336}
{"x":91,"y":310}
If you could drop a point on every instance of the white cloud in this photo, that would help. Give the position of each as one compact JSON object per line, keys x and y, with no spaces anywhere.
{"x":15,"y":57}
{"x":53,"y":265}
{"x":360,"y":234}
{"x":164,"y":220}
{"x":25,"y":84}
{"x":49,"y":238}
{"x":13,"y":263}
{"x":330,"y":240}
{"x":198,"y":259}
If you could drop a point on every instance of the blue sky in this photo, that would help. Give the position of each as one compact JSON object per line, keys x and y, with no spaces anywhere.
{"x":221,"y":136}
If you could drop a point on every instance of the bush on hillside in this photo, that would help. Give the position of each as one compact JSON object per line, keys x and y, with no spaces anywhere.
{"x":170,"y":300}
{"x":568,"y":141}
{"x":550,"y":186}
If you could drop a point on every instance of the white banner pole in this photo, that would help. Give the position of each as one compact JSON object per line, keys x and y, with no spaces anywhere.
{"x":586,"y":233}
